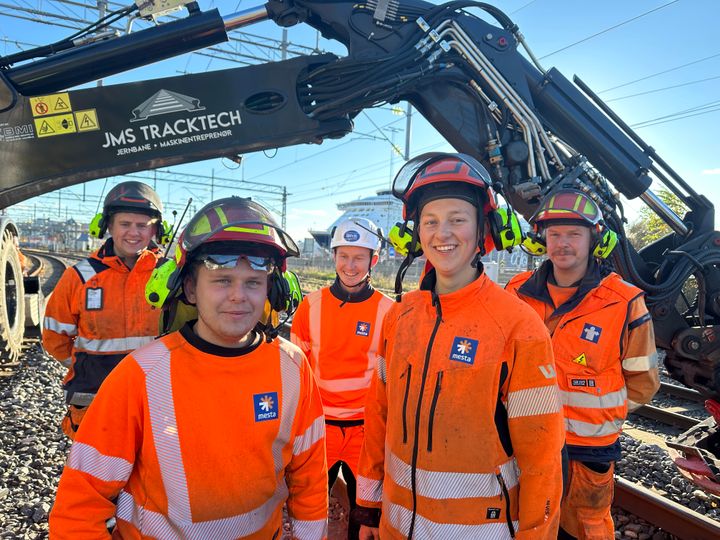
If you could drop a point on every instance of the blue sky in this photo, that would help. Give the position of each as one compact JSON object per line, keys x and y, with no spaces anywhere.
{"x":599,"y":41}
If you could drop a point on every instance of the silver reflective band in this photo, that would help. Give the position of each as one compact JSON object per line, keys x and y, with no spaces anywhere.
{"x":85,"y":458}
{"x":114,"y":345}
{"x":86,"y":270}
{"x":59,"y":327}
{"x":399,"y":518}
{"x":79,"y":399}
{"x":368,"y":489}
{"x":313,"y":434}
{"x":640,"y":363}
{"x":589,"y":401}
{"x":345,"y":385}
{"x":381,"y":369}
{"x":586,"y":429}
{"x":309,"y":530}
{"x":533,"y":401}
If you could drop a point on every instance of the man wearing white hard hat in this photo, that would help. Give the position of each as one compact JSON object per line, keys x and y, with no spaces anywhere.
{"x":338,"y":329}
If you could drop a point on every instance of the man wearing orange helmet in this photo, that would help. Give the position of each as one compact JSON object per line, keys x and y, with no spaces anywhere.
{"x":208,"y":431}
{"x":463,"y":429}
{"x":338,"y":328}
{"x":604,"y":350}
{"x":97,"y":313}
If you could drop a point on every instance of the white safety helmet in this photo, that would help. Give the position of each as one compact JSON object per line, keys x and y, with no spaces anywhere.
{"x":357,"y":231}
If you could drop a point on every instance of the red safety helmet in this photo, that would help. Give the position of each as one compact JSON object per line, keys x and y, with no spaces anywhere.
{"x":568,"y":205}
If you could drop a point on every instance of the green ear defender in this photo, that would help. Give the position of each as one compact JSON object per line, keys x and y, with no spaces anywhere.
{"x":158,"y":288}
{"x":295,"y":295}
{"x":505,"y":229}
{"x":96,"y":229}
{"x":534,"y":244}
{"x":607,"y":242}
{"x":400,"y":237}
{"x":164,"y":233}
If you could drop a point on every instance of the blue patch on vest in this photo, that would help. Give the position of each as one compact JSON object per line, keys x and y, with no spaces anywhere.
{"x":463,"y":350}
{"x":591,"y":333}
{"x":266,"y":405}
{"x":362,"y":328}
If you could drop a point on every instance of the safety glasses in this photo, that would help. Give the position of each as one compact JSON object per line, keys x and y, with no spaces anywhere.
{"x":256,"y":262}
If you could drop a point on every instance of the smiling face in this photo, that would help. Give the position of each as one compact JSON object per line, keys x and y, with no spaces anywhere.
{"x":352,"y":264}
{"x":569,"y":250}
{"x":229,"y":301}
{"x":449,"y":238}
{"x":131,"y":234}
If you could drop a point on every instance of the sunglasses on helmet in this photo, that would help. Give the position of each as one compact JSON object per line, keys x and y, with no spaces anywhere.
{"x":256,"y":262}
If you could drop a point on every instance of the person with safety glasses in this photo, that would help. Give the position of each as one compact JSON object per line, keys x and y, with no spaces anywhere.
{"x":338,"y":328}
{"x":208,"y":431}
{"x":604,"y":349}
{"x":97,"y":312}
{"x":463,"y":425}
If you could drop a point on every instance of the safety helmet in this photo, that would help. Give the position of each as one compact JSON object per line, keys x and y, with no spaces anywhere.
{"x":357,"y":231}
{"x":567,"y":205}
{"x":133,"y":197}
{"x":437,"y":175}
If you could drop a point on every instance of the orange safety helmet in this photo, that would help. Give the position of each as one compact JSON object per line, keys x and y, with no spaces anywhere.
{"x":568,"y":204}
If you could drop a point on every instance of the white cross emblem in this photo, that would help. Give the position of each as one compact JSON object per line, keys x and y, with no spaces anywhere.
{"x":591,"y":333}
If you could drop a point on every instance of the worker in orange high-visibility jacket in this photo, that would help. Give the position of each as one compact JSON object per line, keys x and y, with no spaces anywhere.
{"x":604,"y":350}
{"x":338,"y":328}
{"x":208,"y":431}
{"x":463,"y":426}
{"x":97,"y":313}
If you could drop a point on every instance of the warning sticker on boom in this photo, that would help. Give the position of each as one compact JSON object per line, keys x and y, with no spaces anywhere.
{"x":52,"y":104}
{"x":55,"y":125}
{"x":86,"y":120}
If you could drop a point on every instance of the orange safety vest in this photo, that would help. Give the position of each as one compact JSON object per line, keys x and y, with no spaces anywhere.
{"x":199,"y":441}
{"x":463,"y":424}
{"x":341,"y":339}
{"x":588,"y":341}
{"x":96,"y":315}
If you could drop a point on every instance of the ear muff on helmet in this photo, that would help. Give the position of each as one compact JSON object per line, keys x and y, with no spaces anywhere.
{"x":401,"y":239}
{"x":534,"y":244}
{"x":504,"y":228}
{"x":96,"y":229}
{"x":606,"y":242}
{"x":278,"y":291}
{"x":164,"y":232}
{"x":158,"y":287}
{"x":295,"y":294}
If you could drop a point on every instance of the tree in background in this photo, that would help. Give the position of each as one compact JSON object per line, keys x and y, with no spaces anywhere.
{"x":649,"y":226}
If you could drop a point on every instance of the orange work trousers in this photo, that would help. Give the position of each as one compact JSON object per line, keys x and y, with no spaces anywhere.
{"x":585,"y":510}
{"x":344,"y":444}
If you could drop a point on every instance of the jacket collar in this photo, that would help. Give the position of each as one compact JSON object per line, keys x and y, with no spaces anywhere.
{"x":536,"y":286}
{"x":336,"y":289}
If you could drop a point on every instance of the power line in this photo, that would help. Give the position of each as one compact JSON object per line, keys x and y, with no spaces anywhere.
{"x":663,"y":89}
{"x":659,"y":73}
{"x":523,"y":7}
{"x":610,"y":28}
{"x":698,"y":109}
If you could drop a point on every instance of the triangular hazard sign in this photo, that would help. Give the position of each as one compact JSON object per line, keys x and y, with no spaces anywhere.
{"x":46,"y":128}
{"x":60,"y":105}
{"x":87,"y":122}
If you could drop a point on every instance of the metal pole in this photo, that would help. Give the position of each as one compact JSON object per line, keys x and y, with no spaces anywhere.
{"x":408,"y":124}
{"x":284,"y":208}
{"x":665,"y":212}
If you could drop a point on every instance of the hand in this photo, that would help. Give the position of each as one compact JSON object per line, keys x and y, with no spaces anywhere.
{"x":369,"y":533}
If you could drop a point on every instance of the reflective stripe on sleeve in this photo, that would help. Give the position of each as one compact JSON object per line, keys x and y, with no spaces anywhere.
{"x":59,"y":327}
{"x":590,"y":401}
{"x":381,"y":369}
{"x":309,"y":530}
{"x":451,"y":485}
{"x":533,"y":401}
{"x":113,"y":345}
{"x":641,"y":363}
{"x":313,"y":434}
{"x":67,"y":362}
{"x":85,"y":269}
{"x":399,"y":518}
{"x":586,"y":429}
{"x":369,"y":490}
{"x":87,"y":459}
{"x":633,"y":406}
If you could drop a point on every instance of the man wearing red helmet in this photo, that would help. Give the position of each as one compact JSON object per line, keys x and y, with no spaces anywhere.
{"x":338,"y":328}
{"x":97,"y":313}
{"x":604,"y":350}
{"x":210,"y":430}
{"x":463,"y":430}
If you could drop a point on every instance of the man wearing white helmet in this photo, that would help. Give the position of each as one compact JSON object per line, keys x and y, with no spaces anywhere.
{"x":338,"y":329}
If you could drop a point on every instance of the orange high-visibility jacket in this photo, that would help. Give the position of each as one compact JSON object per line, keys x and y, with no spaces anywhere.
{"x":604,"y":349}
{"x":96,"y":315}
{"x":463,"y":426}
{"x":340,"y":339}
{"x":199,"y":441}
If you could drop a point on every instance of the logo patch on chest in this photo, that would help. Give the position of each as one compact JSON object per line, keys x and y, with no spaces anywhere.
{"x":582,"y":360}
{"x":463,"y":350}
{"x":583,"y":383}
{"x":266,"y":405}
{"x":492,"y":513}
{"x":362,"y":329}
{"x":591,"y":333}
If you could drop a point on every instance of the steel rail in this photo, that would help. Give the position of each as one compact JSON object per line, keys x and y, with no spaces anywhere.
{"x":682,"y":392}
{"x":666,"y":417}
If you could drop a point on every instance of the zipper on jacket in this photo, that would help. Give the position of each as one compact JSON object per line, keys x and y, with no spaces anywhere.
{"x":405,"y":400}
{"x":416,"y":435}
{"x":505,"y":492}
{"x":436,"y":394}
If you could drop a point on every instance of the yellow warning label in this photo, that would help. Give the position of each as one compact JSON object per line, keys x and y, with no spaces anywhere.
{"x":86,"y":120}
{"x":53,"y":104}
{"x":581,"y":360}
{"x":55,"y":125}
